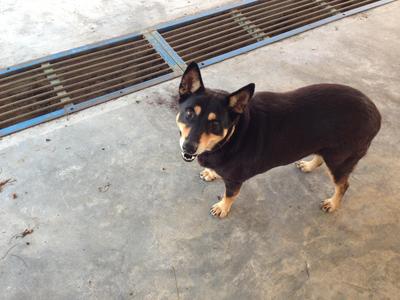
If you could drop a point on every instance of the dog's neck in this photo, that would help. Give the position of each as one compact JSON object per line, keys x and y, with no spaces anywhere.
{"x":226,"y":139}
{"x":229,"y":144}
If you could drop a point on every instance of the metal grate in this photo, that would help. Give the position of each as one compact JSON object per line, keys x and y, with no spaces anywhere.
{"x":209,"y":37}
{"x":50,"y":87}
{"x":65,"y":82}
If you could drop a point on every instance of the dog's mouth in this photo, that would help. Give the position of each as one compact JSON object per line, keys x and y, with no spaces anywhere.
{"x":188,"y":157}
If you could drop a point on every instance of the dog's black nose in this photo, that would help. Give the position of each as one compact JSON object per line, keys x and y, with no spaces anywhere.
{"x":189,"y":148}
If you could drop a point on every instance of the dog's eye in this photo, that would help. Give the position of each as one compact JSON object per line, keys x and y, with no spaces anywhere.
{"x":215,"y":127}
{"x":189,"y":113}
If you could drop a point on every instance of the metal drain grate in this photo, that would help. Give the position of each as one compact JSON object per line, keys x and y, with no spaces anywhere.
{"x":233,"y":29}
{"x":66,"y":82}
{"x":50,"y":87}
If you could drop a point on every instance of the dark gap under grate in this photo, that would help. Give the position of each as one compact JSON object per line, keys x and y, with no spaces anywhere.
{"x":49,"y":86}
{"x":233,"y":29}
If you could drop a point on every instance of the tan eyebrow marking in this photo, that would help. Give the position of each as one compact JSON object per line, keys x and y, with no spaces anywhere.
{"x":197,"y":110}
{"x":212,"y":116}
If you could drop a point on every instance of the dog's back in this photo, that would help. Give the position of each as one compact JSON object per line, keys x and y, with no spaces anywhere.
{"x":315,"y":119}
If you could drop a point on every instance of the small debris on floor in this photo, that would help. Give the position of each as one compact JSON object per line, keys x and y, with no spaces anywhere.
{"x":23,"y":234}
{"x":3,"y":183}
{"x":103,"y":149}
{"x":26,"y":232}
{"x":48,"y":140}
{"x":14,"y":196}
{"x":103,"y":189}
{"x":163,"y":169}
{"x":137,"y":101}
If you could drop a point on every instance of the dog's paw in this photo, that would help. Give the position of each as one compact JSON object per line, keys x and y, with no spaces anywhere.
{"x":329,"y":205}
{"x":220,"y":209}
{"x":304,"y":166}
{"x":208,"y":175}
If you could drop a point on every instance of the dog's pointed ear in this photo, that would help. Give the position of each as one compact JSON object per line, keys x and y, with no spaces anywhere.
{"x":239,"y":99}
{"x":191,"y":81}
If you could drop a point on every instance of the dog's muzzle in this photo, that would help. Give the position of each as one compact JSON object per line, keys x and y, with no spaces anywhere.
{"x":188,"y":157}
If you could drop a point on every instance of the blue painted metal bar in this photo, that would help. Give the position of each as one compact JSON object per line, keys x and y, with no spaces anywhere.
{"x":67,"y":53}
{"x":164,"y":44}
{"x":123,"y":92}
{"x":291,"y":33}
{"x":31,"y":122}
{"x":208,"y":13}
{"x":74,"y":108}
{"x":168,"y":57}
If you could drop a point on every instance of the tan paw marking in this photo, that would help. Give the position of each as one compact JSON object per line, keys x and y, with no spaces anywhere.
{"x":329,"y":205}
{"x":220,"y":209}
{"x":208,"y":175}
{"x":305,"y":166}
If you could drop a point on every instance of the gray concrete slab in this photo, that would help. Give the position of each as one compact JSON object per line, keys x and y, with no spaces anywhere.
{"x":117,"y":214}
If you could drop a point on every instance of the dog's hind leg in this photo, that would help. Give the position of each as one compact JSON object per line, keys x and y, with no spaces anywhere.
{"x":223,"y":207}
{"x":308,"y":166}
{"x":340,"y":174}
{"x":209,"y":175}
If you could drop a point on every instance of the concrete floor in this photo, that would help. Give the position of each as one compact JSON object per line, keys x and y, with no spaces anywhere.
{"x":117,"y":214}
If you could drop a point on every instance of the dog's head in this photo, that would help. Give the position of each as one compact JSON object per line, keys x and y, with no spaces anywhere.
{"x":206,"y":116}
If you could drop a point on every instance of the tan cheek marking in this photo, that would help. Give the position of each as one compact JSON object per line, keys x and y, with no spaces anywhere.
{"x":211,"y":116}
{"x":208,"y":141}
{"x":197,"y":110}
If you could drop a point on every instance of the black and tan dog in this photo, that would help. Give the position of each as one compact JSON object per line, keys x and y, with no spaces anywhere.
{"x":237,"y":135}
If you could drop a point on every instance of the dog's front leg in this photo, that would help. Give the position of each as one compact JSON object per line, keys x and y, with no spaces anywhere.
{"x":223,"y":207}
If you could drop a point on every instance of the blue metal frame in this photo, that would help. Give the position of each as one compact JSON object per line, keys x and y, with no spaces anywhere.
{"x":31,"y":122}
{"x":290,"y":33}
{"x":122,"y":92}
